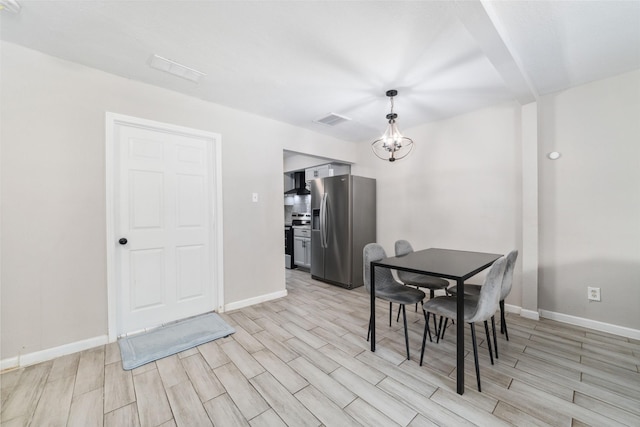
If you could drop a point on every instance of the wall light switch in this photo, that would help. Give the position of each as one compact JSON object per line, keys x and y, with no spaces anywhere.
{"x":254,"y":197}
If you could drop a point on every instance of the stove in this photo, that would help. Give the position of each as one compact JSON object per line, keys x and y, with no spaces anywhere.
{"x":288,"y":247}
{"x":298,"y":219}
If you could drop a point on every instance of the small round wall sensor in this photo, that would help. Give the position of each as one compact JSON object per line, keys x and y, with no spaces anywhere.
{"x":554,"y":155}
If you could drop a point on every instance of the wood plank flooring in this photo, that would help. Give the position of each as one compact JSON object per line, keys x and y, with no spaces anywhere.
{"x":303,"y":360}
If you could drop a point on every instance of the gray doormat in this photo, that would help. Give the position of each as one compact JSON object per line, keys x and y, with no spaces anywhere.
{"x":139,"y":349}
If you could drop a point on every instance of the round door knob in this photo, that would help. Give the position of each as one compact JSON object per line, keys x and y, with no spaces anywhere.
{"x":122,"y":241}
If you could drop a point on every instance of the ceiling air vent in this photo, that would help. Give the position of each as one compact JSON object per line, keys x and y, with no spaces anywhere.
{"x":332,"y":119}
{"x":172,"y":67}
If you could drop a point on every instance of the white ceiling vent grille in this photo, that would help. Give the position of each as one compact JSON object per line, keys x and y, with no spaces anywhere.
{"x":172,"y":67}
{"x":332,"y":119}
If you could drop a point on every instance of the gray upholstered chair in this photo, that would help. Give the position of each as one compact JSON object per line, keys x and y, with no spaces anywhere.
{"x":478,"y":309}
{"x":403,"y":247}
{"x":471,"y":290}
{"x":388,"y":288}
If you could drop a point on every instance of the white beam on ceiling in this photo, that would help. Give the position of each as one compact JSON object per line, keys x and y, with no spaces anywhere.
{"x":482,"y":22}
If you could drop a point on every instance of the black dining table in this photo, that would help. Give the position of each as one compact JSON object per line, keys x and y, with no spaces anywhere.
{"x":447,"y":264}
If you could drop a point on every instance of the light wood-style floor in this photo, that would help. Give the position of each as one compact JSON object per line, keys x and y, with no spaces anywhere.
{"x":303,"y":360}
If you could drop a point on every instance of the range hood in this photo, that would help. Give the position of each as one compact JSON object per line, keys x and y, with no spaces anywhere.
{"x":300,"y":185}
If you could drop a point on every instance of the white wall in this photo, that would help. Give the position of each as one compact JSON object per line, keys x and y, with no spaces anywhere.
{"x":460,"y":188}
{"x":590,"y":200}
{"x":53,"y":193}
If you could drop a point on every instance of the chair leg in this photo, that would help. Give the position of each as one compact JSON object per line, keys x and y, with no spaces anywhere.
{"x":446,"y":320}
{"x":435,"y":323}
{"x":486,"y":331}
{"x":417,"y":287}
{"x":475,"y":352}
{"x":424,"y":335}
{"x":495,"y":338}
{"x":503,"y":321}
{"x":369,"y":330}
{"x":391,"y":312}
{"x":398,"y":316}
{"x":406,"y":335}
{"x":438,"y":331}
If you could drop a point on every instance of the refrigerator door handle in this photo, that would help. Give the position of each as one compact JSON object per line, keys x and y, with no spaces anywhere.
{"x":323,"y":220}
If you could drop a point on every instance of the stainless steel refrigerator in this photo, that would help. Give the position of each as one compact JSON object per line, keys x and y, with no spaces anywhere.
{"x":343,"y":221}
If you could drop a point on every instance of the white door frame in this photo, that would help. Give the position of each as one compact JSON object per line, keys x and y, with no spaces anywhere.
{"x":111,"y":121}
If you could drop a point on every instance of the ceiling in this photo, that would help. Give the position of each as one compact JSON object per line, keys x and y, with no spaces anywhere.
{"x":297,"y":61}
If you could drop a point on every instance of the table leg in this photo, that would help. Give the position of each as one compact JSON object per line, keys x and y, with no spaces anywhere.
{"x":373,"y":308}
{"x":459,"y":337}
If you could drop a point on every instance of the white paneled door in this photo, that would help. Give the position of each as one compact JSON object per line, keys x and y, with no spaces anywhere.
{"x":163,"y":226}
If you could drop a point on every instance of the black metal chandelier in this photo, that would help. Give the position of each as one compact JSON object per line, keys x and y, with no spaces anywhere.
{"x":392,"y":145}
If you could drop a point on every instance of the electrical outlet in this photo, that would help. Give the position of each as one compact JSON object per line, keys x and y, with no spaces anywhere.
{"x":593,"y":294}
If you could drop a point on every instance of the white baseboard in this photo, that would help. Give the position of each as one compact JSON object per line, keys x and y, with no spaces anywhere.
{"x":255,"y":300}
{"x":592,"y":324}
{"x":529,"y":314}
{"x":573,"y":320}
{"x":52,"y":353}
{"x":512,"y":308}
{"x":9,"y":363}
